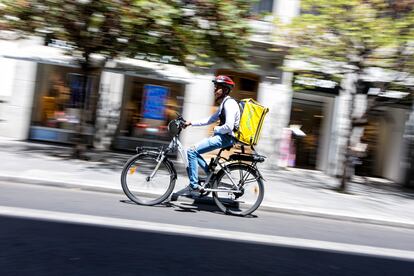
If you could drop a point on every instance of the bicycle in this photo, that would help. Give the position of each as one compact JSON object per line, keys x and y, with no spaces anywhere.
{"x":236,"y":184}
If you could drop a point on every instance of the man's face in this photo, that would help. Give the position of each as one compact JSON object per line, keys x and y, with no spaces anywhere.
{"x":218,"y":92}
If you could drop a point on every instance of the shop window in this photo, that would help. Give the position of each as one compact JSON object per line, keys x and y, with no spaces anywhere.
{"x":306,"y":116}
{"x":376,"y":137}
{"x":61,"y":100}
{"x":262,"y":6}
{"x":148,"y":107}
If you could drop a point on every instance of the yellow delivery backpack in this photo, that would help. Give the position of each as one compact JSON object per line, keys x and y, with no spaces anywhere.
{"x":252,"y":115}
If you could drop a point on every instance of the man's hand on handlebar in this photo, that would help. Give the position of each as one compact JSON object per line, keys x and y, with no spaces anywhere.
{"x":186,"y":124}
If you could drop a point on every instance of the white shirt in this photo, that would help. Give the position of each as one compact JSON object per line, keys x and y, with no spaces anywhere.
{"x":232,"y":111}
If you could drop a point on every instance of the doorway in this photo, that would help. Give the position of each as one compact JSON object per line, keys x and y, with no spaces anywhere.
{"x":308,"y":117}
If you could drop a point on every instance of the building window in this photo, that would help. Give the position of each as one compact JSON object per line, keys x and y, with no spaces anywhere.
{"x":148,"y":107}
{"x":61,"y":100}
{"x":306,"y":116}
{"x":248,"y":85}
{"x":262,"y":7}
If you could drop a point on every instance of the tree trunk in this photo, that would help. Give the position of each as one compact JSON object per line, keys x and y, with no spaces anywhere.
{"x":348,"y":163}
{"x":351,"y":85}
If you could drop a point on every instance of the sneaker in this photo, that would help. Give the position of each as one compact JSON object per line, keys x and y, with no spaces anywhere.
{"x":198,"y":189}
{"x":186,"y":191}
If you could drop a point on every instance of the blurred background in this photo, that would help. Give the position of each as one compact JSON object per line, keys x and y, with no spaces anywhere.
{"x":336,"y":75}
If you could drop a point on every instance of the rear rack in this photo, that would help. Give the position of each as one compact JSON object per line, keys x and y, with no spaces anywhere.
{"x":247,"y":157}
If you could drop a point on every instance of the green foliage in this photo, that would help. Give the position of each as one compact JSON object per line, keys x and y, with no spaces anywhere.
{"x":196,"y":33}
{"x":313,"y":77}
{"x":90,"y":26}
{"x":361,"y":33}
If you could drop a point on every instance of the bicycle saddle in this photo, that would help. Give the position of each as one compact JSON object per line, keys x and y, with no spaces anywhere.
{"x":228,"y":148}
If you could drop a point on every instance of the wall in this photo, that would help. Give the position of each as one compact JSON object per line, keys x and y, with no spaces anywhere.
{"x":17,"y":108}
{"x":7,"y":71}
{"x":198,"y":104}
{"x":277,"y":97}
{"x":392,"y":168}
{"x":286,"y":10}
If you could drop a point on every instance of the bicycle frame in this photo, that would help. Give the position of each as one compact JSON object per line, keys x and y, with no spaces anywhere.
{"x":176,"y":145}
{"x":228,"y":175}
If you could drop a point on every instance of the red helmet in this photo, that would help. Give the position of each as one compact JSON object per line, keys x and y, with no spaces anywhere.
{"x":224,"y":80}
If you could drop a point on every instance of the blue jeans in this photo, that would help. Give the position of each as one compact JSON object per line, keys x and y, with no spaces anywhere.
{"x":194,"y":154}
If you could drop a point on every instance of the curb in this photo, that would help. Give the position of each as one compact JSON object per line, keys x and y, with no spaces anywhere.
{"x":339,"y":217}
{"x":263,"y":207}
{"x":60,"y":184}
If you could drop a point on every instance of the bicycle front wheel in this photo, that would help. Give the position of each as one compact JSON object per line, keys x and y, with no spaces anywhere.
{"x":144,"y":183}
{"x":242,"y":189}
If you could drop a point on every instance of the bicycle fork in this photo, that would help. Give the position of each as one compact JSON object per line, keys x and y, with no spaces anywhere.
{"x":160,"y":158}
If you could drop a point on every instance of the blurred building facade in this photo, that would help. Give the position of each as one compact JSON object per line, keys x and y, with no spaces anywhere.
{"x":131,"y":100}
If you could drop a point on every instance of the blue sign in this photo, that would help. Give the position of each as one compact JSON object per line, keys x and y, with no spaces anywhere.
{"x":154,"y":102}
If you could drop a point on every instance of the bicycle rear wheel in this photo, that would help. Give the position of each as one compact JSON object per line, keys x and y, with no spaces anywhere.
{"x":140,"y":187}
{"x":249,"y":185}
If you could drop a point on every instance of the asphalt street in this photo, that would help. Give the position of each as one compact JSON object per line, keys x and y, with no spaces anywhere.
{"x":195,"y":241}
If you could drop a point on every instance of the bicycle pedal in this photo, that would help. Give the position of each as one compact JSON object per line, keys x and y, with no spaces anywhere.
{"x":174,"y":197}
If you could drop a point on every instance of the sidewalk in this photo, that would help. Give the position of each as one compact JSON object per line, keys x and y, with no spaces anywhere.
{"x":294,"y":191}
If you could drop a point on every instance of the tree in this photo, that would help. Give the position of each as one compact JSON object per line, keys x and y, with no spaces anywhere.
{"x":198,"y":33}
{"x":351,"y":36}
{"x":194,"y":33}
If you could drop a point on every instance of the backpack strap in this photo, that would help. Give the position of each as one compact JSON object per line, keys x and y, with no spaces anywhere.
{"x":222,"y":115}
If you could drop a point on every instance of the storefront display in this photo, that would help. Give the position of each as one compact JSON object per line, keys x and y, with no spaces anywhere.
{"x":61,"y":103}
{"x":307,"y":115}
{"x":148,"y":106}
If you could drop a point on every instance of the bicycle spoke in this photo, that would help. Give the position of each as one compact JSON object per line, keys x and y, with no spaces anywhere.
{"x":227,"y":185}
{"x":254,"y":180}
{"x":147,"y":181}
{"x":247,"y":197}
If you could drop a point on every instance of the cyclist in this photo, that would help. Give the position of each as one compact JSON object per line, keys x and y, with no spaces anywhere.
{"x":229,"y":115}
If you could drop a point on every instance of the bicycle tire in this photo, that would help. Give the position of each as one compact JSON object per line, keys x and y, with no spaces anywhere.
{"x":240,"y":204}
{"x":135,"y":183}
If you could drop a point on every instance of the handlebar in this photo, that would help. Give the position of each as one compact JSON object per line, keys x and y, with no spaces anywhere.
{"x":180,"y":119}
{"x":175,"y":126}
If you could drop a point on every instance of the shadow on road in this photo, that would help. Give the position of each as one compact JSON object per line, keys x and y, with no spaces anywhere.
{"x":31,"y":247}
{"x":199,"y":205}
